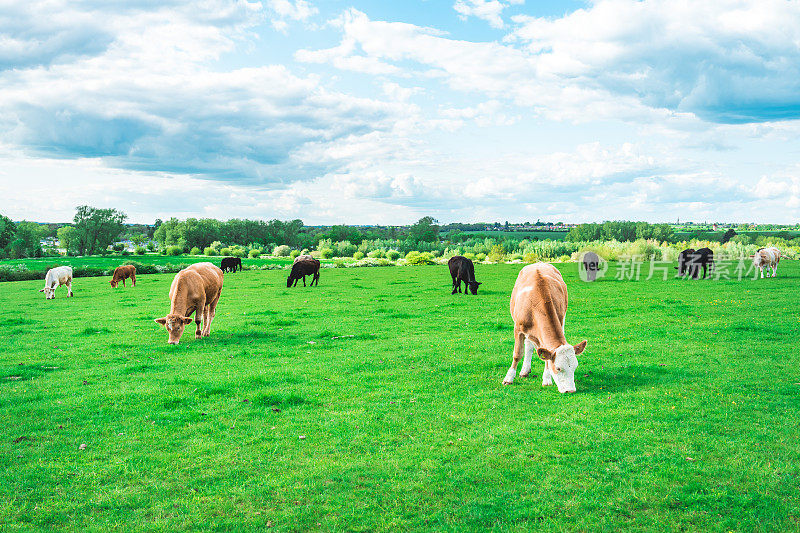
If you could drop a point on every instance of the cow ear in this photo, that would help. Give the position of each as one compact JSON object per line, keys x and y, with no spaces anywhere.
{"x":186,"y":320}
{"x":545,"y":354}
{"x":580,"y":347}
{"x":478,"y":283}
{"x":41,"y":290}
{"x":162,"y":320}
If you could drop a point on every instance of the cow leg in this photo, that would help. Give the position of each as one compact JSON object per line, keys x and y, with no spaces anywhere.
{"x":454,"y":285}
{"x":515,"y":359}
{"x":304,"y":280}
{"x":526,"y":363}
{"x":762,"y":271}
{"x":212,"y":310}
{"x":547,"y":375}
{"x":775,"y":271}
{"x":123,"y":282}
{"x":133,"y":280}
{"x":69,"y":289}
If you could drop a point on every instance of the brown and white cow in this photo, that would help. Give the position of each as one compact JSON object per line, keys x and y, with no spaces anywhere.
{"x":121,"y":273}
{"x":195,"y":289}
{"x":538,"y":307}
{"x":56,"y":277}
{"x":767,"y":258}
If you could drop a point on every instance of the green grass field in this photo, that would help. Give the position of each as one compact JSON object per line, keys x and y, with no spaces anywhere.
{"x":109,"y":261}
{"x":374,"y":403}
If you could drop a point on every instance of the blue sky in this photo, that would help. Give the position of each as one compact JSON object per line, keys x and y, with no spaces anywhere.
{"x":376,"y":112}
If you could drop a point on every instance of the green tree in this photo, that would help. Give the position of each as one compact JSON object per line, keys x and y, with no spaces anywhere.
{"x":26,"y":241}
{"x":66,"y":237}
{"x":425,"y":230}
{"x":7,"y":230}
{"x":730,"y":234}
{"x":96,"y":228}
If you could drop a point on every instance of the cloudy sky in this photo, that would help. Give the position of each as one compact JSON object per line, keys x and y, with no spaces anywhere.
{"x":380,"y":112}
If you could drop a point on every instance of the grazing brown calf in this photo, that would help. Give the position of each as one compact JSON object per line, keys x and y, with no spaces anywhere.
{"x":121,"y":273}
{"x":538,"y":307}
{"x":195,"y":289}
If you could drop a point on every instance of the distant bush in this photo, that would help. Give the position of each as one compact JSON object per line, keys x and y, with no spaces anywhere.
{"x":294,"y":253}
{"x":394,"y":255}
{"x":480,"y":257}
{"x":194,"y":251}
{"x":118,"y":247}
{"x":358,"y":255}
{"x":282,"y":251}
{"x":225,"y":251}
{"x":419,"y":258}
{"x":376,"y":254}
{"x":209,"y":251}
{"x":236,"y":251}
{"x":174,"y":250}
{"x":345,"y":249}
{"x":326,"y":253}
{"x":254,"y":253}
{"x":140,"y":250}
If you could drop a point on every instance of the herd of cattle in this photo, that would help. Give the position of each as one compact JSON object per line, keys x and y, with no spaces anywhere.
{"x":538,"y":303}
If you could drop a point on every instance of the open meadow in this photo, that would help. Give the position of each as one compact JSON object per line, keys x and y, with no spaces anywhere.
{"x":374,"y":403}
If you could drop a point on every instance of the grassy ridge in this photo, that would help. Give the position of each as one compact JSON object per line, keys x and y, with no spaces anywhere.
{"x":109,"y":261}
{"x":685,"y":416}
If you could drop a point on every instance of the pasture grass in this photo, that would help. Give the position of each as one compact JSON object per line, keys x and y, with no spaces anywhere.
{"x":113,"y":261}
{"x":381,"y":408}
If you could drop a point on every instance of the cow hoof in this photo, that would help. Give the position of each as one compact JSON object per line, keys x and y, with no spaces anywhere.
{"x":524,"y":374}
{"x":506,"y":382}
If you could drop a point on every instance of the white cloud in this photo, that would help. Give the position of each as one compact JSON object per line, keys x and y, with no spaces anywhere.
{"x":488,"y":10}
{"x":283,"y":10}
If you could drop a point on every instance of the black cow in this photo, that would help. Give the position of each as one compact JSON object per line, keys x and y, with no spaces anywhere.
{"x":303,"y":268}
{"x":229,"y":264}
{"x":684,"y":259}
{"x":690,"y":261}
{"x":462,"y":269}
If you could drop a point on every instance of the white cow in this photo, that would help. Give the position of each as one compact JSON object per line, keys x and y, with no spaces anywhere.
{"x":538,"y":307}
{"x":57,"y":276}
{"x":767,"y":258}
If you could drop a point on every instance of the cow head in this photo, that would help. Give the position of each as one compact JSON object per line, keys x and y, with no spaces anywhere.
{"x":114,"y":283}
{"x":49,"y":293}
{"x":175,"y":325}
{"x":562,"y":364}
{"x":473,"y":286}
{"x":289,"y":280}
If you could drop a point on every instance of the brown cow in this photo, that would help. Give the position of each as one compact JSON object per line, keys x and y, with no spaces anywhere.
{"x":121,"y":273}
{"x":195,"y":288}
{"x":538,"y":307}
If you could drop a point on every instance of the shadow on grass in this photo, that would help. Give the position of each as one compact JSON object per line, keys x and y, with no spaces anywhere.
{"x":599,"y":382}
{"x":279,"y":401}
{"x":10,"y":374}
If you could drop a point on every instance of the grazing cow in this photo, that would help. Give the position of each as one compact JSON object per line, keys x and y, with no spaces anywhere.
{"x":684,"y":258}
{"x":462,"y":269}
{"x":55,"y":277}
{"x":121,"y":273}
{"x":690,"y":261}
{"x":301,"y":269}
{"x":195,"y":289}
{"x":767,"y":258}
{"x":538,"y":307}
{"x":230,"y":264}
